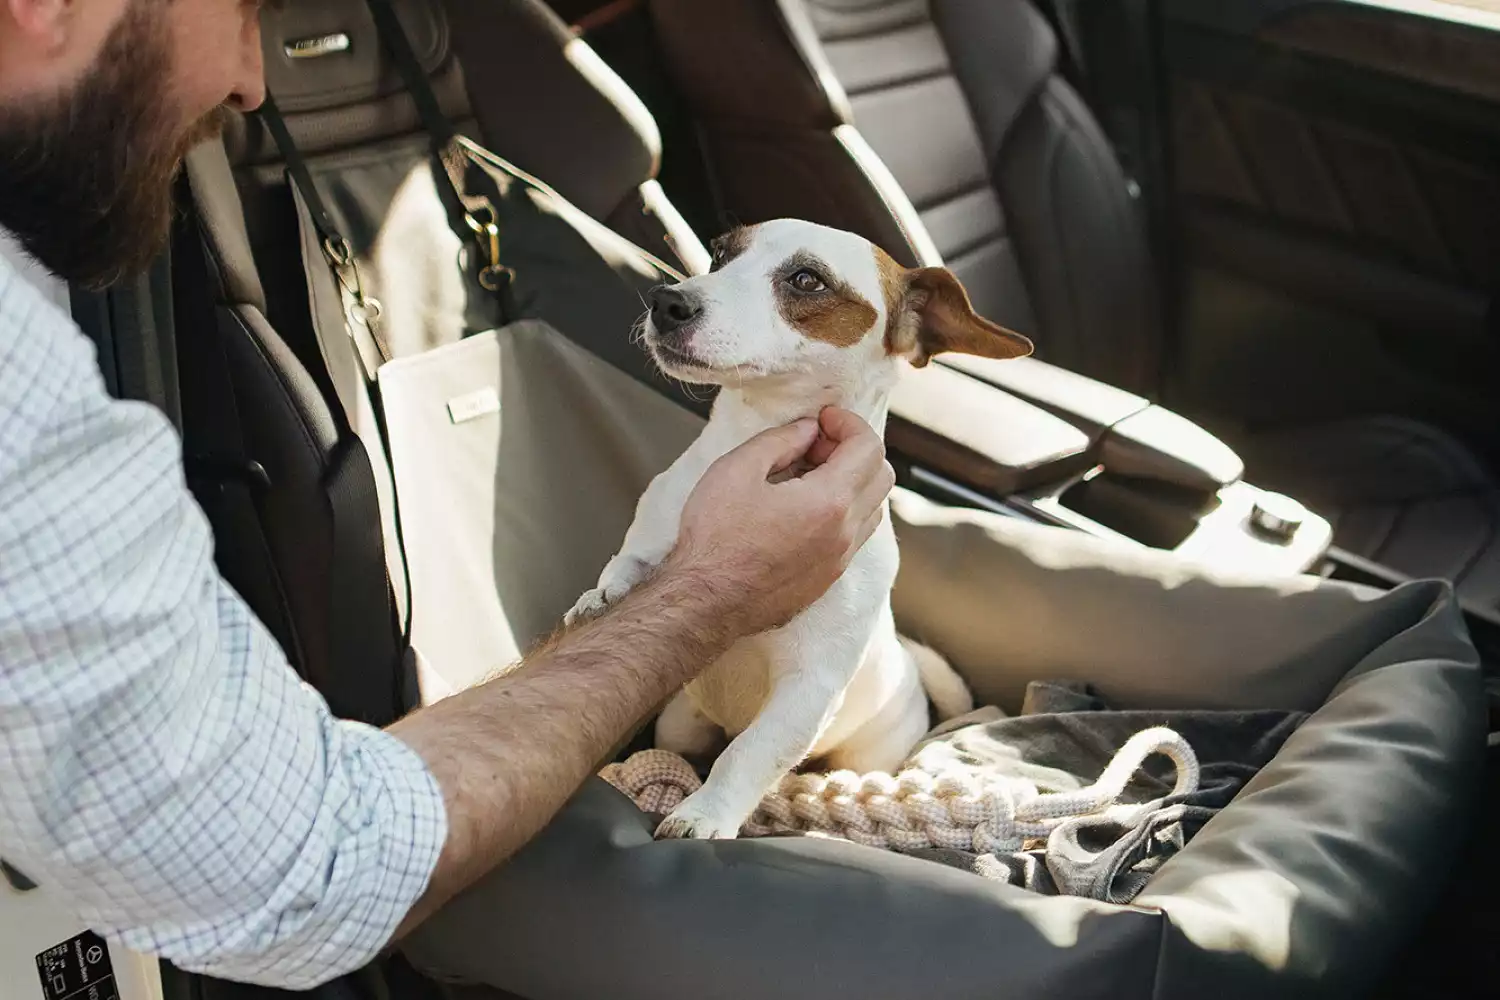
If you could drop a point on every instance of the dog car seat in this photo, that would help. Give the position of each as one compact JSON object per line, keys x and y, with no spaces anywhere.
{"x":1316,"y":866}
{"x":362,"y":138}
{"x":944,"y":130}
{"x":1302,"y":886}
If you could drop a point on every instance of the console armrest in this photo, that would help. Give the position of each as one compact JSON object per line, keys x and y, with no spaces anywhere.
{"x":1159,"y":445}
{"x":987,"y":439}
{"x":1071,"y":451}
{"x":1132,"y":436}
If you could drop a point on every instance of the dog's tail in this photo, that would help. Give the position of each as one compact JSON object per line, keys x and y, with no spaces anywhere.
{"x":949,"y":695}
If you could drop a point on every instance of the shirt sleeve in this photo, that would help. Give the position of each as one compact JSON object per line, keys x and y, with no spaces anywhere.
{"x":161,"y":765}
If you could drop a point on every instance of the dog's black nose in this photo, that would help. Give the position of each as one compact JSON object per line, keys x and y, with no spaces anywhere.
{"x":671,"y":310}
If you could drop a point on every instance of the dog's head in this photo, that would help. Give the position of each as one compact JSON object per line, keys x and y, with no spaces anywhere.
{"x":790,"y":298}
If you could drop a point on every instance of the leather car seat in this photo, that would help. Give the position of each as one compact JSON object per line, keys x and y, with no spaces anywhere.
{"x":943,"y":130}
{"x":298,"y":525}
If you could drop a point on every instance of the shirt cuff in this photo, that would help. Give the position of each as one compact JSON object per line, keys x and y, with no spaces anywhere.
{"x":414,"y":833}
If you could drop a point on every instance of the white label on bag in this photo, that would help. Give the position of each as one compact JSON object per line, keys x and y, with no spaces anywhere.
{"x":474,"y":404}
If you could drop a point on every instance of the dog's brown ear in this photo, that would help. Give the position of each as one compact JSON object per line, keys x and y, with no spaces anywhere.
{"x":945,"y":320}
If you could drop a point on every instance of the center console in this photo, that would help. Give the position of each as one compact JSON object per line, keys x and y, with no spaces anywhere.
{"x":1029,"y":440}
{"x":1045,"y":443}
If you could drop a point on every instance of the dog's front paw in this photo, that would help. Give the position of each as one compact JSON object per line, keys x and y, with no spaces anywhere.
{"x":590,"y":605}
{"x":694,"y":820}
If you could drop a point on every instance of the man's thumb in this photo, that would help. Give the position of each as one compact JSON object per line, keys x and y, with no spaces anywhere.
{"x":775,"y":449}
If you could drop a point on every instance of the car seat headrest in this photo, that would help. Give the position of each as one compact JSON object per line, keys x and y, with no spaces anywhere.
{"x":508,"y":73}
{"x":325,"y":55}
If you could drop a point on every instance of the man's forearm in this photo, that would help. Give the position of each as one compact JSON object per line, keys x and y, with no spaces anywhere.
{"x":510,"y":752}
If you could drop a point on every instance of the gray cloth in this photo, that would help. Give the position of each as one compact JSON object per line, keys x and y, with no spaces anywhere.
{"x":1063,"y":739}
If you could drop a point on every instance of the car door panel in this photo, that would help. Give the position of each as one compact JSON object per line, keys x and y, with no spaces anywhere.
{"x":1335,"y":197}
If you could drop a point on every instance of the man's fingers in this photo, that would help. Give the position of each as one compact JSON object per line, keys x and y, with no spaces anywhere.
{"x":839,"y":424}
{"x":835,"y":426}
{"x":854,"y":451}
{"x":775,"y":449}
{"x":821,"y":449}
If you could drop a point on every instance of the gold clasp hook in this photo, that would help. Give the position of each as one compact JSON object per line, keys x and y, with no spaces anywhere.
{"x":487,"y":229}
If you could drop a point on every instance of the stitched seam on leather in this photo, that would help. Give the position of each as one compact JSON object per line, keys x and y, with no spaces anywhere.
{"x":947,"y":198}
{"x":916,"y":21}
{"x":862,"y":34}
{"x":956,"y":257}
{"x":896,"y":83}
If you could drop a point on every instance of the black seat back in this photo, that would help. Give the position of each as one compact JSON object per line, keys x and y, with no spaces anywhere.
{"x":943,"y":125}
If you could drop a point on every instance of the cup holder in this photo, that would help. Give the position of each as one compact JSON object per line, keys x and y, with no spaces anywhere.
{"x":1159,"y":515}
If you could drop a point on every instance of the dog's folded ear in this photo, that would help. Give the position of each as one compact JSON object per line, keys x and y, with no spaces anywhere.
{"x":945,"y":320}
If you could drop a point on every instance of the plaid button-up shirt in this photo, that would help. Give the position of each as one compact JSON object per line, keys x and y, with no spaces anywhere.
{"x":161,"y":766}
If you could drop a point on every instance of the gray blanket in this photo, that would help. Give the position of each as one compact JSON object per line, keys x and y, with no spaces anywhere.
{"x":1063,"y":739}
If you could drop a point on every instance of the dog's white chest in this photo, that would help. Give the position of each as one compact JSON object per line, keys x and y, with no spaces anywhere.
{"x":854,"y":615}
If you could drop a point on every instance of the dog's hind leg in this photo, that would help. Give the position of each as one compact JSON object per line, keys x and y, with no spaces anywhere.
{"x":949,"y":695}
{"x":685,"y":731}
{"x":803,"y":698}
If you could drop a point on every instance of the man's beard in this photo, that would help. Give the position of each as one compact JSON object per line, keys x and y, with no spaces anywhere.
{"x":86,"y":176}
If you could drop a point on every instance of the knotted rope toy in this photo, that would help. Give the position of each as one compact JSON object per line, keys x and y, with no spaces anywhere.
{"x":935,"y":801}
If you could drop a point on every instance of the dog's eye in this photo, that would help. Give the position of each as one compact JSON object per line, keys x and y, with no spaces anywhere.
{"x":806,"y":281}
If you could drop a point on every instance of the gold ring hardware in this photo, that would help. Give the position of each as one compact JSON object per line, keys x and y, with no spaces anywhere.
{"x":338,"y":251}
{"x":485,"y":210}
{"x":365,"y":310}
{"x":483,"y":222}
{"x":490,"y":277}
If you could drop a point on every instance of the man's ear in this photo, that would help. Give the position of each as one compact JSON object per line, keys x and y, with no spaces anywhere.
{"x":946,"y":321}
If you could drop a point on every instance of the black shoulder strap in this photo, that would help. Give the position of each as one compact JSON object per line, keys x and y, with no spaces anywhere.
{"x":396,"y":42}
{"x":467,"y":192}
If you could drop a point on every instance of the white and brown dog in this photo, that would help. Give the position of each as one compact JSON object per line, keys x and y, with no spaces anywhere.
{"x":794,"y":317}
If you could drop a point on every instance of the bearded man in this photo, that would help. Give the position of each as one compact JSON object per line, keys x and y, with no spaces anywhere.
{"x":162,"y":769}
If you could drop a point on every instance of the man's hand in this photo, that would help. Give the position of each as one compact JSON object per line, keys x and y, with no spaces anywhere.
{"x":772,"y":548}
{"x":750,"y":554}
